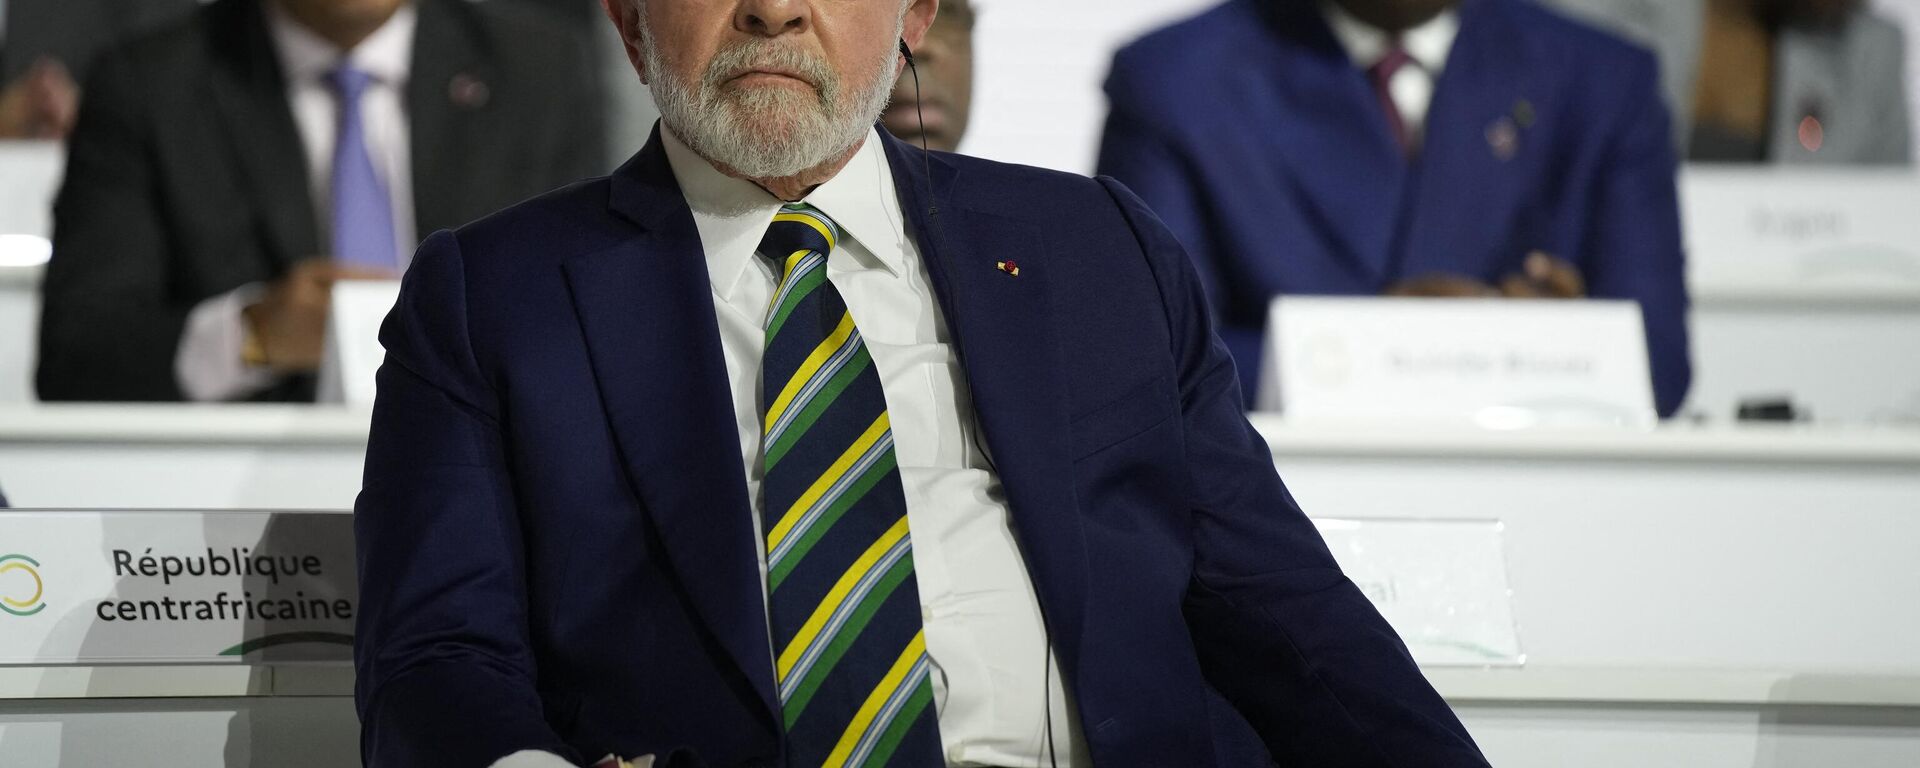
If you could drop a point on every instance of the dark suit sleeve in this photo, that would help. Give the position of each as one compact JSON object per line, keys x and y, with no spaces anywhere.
{"x":1280,"y":630}
{"x":1636,"y":252}
{"x":444,"y":671}
{"x":108,"y":328}
{"x":1141,"y":155}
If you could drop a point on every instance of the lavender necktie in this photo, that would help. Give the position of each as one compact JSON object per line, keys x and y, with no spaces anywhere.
{"x":362,"y":210}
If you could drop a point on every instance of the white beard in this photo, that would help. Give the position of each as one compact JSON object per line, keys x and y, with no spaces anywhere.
{"x":767,"y":133}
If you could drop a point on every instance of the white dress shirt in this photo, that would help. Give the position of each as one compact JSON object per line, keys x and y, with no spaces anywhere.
{"x":208,"y":364}
{"x":983,"y":626}
{"x":1428,"y":45}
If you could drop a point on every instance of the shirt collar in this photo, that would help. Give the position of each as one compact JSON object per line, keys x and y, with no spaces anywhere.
{"x":305,"y":56}
{"x":1428,"y":44}
{"x":733,"y":214}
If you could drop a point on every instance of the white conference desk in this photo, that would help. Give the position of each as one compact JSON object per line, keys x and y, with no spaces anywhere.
{"x":1685,"y":597}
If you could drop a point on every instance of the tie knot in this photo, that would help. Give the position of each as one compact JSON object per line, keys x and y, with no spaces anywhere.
{"x":1391,"y":62}
{"x":798,"y":228}
{"x":348,"y":82}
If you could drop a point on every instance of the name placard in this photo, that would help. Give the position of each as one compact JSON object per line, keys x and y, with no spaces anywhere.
{"x":1494,"y":363}
{"x":1442,"y":584}
{"x":132,"y":587}
{"x":353,"y":339}
{"x":1776,"y":230}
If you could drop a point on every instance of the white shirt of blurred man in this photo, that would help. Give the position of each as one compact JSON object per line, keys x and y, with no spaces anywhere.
{"x":211,"y":362}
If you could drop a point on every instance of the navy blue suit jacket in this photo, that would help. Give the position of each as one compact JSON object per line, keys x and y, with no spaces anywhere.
{"x":556,"y":548}
{"x":1265,"y":150}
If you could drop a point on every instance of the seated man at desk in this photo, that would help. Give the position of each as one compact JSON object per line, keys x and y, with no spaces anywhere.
{"x":225,"y":172}
{"x":1405,"y":147}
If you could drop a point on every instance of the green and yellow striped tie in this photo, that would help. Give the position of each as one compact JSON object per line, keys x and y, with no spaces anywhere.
{"x":845,"y":611}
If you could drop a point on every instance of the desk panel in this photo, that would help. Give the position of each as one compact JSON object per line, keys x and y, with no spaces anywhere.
{"x":1686,"y":597}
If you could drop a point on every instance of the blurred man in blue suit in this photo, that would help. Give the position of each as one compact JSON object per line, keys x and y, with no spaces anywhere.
{"x":1406,"y":147}
{"x":789,"y":445}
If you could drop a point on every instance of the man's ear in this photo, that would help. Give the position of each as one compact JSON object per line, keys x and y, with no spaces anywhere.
{"x":625,"y":15}
{"x":919,"y":18}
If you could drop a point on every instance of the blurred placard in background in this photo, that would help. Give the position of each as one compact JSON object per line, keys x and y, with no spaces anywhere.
{"x":1766,"y":232}
{"x":1493,"y":363}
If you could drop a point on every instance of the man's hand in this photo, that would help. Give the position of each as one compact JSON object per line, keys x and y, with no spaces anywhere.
{"x":41,"y":104}
{"x":1542,"y":276}
{"x":1442,"y":286}
{"x":289,"y":323}
{"x":1545,"y":277}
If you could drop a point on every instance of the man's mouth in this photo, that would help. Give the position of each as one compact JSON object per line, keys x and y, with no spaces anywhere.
{"x":769,"y":76}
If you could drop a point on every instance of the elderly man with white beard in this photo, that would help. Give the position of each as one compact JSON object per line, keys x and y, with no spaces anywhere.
{"x":789,"y":444}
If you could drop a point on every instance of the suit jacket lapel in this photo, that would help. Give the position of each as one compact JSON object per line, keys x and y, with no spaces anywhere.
{"x":647,"y":312}
{"x":1480,"y":136}
{"x":249,"y":93}
{"x":1325,"y":124}
{"x":1001,"y":327}
{"x":448,"y":93}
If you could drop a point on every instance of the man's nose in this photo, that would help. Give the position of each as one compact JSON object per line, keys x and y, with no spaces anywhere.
{"x":773,"y":18}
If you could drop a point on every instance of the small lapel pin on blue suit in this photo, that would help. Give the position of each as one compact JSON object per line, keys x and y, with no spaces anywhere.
{"x":1523,"y":113}
{"x":1503,"y":137}
{"x":1008,"y":267}
{"x":468,"y":92}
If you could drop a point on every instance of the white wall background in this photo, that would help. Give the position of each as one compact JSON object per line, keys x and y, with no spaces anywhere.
{"x":1040,"y":64}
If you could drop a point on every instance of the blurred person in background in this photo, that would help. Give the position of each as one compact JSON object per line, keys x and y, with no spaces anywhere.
{"x":45,"y":48}
{"x":944,"y":98}
{"x":1405,"y":147}
{"x":223,"y":174}
{"x":1775,"y":81}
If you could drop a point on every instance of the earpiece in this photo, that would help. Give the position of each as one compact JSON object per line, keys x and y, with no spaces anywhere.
{"x":933,"y":210}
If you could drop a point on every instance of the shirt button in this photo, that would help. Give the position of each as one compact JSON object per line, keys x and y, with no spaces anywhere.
{"x":956,"y":755}
{"x":926,"y":614}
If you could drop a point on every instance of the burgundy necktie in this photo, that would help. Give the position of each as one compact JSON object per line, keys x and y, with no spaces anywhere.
{"x":1381,"y":73}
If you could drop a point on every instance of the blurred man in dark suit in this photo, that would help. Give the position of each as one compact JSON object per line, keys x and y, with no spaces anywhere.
{"x":45,"y":47}
{"x":1407,"y":147}
{"x":224,"y":173}
{"x":936,"y":108}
